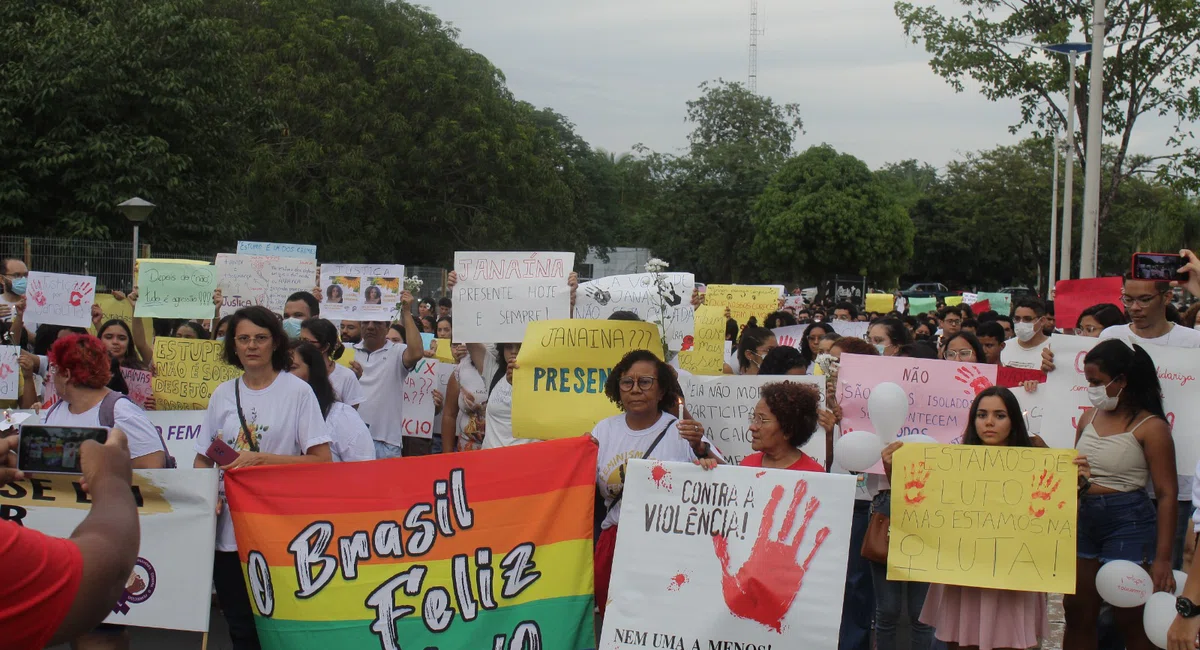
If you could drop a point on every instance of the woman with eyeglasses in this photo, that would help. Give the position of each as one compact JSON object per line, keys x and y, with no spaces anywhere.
{"x":1097,"y":318}
{"x":810,"y":348}
{"x":965,"y":348}
{"x":887,"y":335}
{"x":646,"y":390}
{"x":269,"y":417}
{"x":784,"y":420}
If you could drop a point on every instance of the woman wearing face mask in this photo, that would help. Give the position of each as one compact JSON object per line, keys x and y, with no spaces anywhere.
{"x":972,"y":617}
{"x":752,"y":348}
{"x":351,"y":439}
{"x":887,"y":335}
{"x":324,"y":336}
{"x":222,"y":328}
{"x":1127,"y":442}
{"x":926,"y":330}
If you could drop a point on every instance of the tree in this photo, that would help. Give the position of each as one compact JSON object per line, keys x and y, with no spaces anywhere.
{"x":1150,"y":69}
{"x":108,"y":99}
{"x":825,"y":213}
{"x":700,"y":216}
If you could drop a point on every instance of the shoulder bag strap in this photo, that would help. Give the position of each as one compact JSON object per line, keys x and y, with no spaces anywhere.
{"x":646,"y":454}
{"x":237,"y":396}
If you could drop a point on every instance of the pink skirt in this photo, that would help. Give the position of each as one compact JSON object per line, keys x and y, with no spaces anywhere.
{"x":987,"y":618}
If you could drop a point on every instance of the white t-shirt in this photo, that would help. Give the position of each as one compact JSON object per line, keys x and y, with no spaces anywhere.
{"x":1176,"y":337}
{"x":499,"y":418}
{"x":351,"y":437}
{"x":383,"y":391}
{"x":143,"y":437}
{"x":345,"y":385}
{"x":619,"y":443}
{"x":444,"y":372}
{"x":284,"y":417}
{"x":1015,"y":356}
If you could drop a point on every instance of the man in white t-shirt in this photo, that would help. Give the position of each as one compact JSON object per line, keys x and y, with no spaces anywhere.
{"x":385,"y":365}
{"x":1029,"y":319}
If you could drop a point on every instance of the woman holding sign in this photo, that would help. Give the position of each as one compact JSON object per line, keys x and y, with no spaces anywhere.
{"x":646,"y":390}
{"x":1127,"y":442}
{"x":264,"y":417}
{"x":974,"y":617}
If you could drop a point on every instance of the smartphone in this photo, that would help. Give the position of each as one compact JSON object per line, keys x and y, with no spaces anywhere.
{"x":221,"y":453}
{"x":1160,"y":267}
{"x":54,"y":450}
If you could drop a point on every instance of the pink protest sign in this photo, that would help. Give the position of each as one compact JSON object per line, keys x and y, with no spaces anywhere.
{"x":139,"y":384}
{"x":939,"y":392}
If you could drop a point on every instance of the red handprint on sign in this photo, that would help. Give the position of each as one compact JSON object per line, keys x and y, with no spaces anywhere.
{"x":765,"y":587}
{"x":970,"y":376}
{"x":787,"y":341}
{"x":80,"y":290}
{"x":36,"y":294}
{"x":1044,"y":488}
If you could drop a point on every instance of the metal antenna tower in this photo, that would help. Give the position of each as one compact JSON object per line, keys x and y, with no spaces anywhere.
{"x":755,"y":32}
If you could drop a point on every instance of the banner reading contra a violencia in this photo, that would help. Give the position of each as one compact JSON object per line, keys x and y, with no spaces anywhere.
{"x":490,"y":549}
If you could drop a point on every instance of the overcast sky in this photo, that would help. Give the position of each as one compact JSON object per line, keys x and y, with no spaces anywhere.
{"x":622,"y":70}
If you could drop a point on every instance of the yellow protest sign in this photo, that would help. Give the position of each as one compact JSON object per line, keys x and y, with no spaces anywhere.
{"x":880,"y":303}
{"x":990,"y":517}
{"x":744,"y":300}
{"x":442,"y":350}
{"x":347,"y":356}
{"x":111,"y":308}
{"x":953,"y":300}
{"x":187,"y":371}
{"x":707,"y":354}
{"x":558,"y":388}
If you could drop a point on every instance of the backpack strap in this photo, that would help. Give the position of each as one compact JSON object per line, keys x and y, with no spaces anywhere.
{"x":108,"y":418}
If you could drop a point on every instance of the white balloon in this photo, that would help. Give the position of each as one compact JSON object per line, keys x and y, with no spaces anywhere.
{"x":857,"y":451}
{"x":888,"y":407}
{"x":1158,"y":616}
{"x":918,"y":439}
{"x":1122,"y":583}
{"x":1180,"y":581}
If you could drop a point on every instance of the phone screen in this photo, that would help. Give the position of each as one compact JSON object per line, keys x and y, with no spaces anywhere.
{"x":54,"y":450}
{"x":1161,"y":267}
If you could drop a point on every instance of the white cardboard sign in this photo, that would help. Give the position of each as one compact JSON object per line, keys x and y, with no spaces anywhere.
{"x":362,"y":292}
{"x":252,"y":280}
{"x":60,"y":299}
{"x":641,"y":294}
{"x":498,"y":293}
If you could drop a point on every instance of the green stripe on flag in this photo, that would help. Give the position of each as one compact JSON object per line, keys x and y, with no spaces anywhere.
{"x":564,"y":624}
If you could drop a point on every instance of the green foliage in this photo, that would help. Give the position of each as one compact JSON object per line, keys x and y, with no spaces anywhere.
{"x":825,"y":213}
{"x":699,"y":217}
{"x":107,"y":99}
{"x":1151,"y":68}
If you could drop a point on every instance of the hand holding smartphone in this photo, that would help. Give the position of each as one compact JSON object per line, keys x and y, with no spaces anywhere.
{"x":1158,"y":267}
{"x":221,"y":453}
{"x":54,"y":450}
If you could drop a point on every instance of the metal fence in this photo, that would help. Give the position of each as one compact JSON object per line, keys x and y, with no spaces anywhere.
{"x":111,"y":262}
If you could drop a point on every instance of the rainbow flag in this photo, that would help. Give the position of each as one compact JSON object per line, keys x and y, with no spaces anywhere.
{"x":486,"y":549}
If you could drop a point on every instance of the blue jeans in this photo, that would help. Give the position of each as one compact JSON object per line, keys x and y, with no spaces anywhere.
{"x":437,"y":443}
{"x":1120,"y":526}
{"x":384,"y":450}
{"x":858,"y":604}
{"x":891,"y":595}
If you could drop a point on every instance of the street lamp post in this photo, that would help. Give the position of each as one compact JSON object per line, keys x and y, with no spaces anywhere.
{"x":1053,"y":224}
{"x":1091,"y":187}
{"x":136,"y":210}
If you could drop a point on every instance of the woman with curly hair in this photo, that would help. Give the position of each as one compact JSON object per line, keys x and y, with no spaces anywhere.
{"x":784,"y":421}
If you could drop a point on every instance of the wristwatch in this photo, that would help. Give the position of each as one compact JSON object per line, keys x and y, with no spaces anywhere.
{"x":1186,"y":608}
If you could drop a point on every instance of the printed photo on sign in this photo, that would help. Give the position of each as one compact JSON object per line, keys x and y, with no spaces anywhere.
{"x":498,"y":294}
{"x":491,"y":549}
{"x":170,"y":585}
{"x":59,"y":299}
{"x":734,"y":557}
{"x":363,"y":292}
{"x":664,"y":299}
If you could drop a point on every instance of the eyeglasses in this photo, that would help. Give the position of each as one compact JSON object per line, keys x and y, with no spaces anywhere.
{"x":758,"y":420}
{"x":1141,"y":300}
{"x":644,"y":383}
{"x":258,"y":339}
{"x":1089,"y":330}
{"x":762,"y":353}
{"x":1025,"y":319}
{"x":960,"y":354}
{"x":952,"y":321}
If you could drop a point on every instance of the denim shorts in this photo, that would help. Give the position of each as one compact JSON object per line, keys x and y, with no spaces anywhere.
{"x":1121,"y":526}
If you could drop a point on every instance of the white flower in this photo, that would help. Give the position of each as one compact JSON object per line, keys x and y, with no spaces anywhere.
{"x":656,"y":265}
{"x":413,"y":284}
